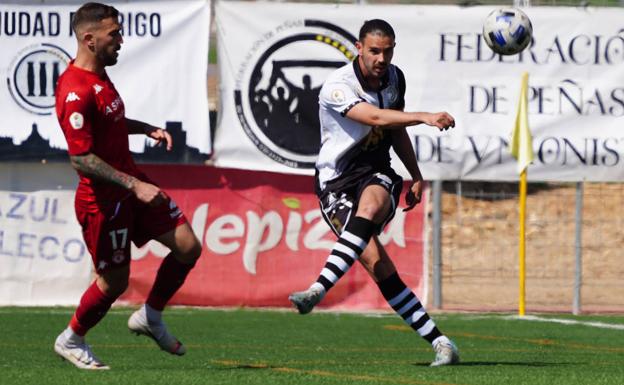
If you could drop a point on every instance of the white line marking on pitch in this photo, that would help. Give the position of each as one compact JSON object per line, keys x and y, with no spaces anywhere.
{"x":594,"y":324}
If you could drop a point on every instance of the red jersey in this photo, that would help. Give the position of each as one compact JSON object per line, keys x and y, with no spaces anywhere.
{"x":92,"y":116}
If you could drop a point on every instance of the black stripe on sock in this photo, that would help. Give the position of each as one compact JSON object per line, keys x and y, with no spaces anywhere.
{"x":405,"y":300}
{"x":345,"y":257}
{"x":391,"y":286}
{"x":350,"y":245}
{"x":421,"y":321}
{"x":334,"y":269}
{"x":417,"y":306}
{"x":435,"y":333}
{"x":325,"y":282}
{"x":361,"y":227}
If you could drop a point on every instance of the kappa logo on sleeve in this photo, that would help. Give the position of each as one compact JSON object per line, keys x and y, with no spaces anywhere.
{"x":76,"y":120}
{"x":71,"y":97}
{"x":97,"y":88}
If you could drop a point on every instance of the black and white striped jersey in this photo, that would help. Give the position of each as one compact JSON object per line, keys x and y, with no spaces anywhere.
{"x":348,"y":148}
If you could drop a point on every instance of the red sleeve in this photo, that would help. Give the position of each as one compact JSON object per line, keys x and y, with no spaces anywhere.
{"x":75,"y":110}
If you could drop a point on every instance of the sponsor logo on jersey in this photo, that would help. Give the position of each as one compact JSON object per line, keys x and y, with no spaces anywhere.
{"x":114,"y":107}
{"x":71,"y":97}
{"x":76,"y":120}
{"x":32,"y":77}
{"x":277,"y":87}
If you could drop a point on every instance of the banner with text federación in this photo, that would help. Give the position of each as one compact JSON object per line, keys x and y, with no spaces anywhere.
{"x":161,"y":76}
{"x":274,"y":59}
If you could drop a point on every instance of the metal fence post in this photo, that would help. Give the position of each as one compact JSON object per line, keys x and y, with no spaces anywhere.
{"x":578,"y":243}
{"x":437,"y":244}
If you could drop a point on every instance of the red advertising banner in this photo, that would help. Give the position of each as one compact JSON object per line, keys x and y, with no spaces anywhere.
{"x":263,"y":237}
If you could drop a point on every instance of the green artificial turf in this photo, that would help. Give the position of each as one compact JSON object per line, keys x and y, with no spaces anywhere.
{"x":282,"y":347}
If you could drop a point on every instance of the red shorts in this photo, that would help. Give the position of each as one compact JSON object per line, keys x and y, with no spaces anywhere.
{"x":108,"y":231}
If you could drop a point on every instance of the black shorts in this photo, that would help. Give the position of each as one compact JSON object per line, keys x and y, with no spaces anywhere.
{"x":340,"y":197}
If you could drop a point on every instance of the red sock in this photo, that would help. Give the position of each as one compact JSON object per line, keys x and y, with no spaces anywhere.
{"x":93,"y":306}
{"x":170,"y":277}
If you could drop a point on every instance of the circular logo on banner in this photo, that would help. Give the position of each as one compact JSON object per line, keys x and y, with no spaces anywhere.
{"x":33,"y":74}
{"x":277,"y":87}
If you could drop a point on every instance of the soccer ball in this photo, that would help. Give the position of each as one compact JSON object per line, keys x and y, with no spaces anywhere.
{"x":507,"y":31}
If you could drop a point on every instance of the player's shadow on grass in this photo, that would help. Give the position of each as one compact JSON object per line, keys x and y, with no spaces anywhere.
{"x":504,"y":363}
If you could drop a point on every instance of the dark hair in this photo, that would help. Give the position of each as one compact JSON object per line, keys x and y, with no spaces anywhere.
{"x":376,"y":26}
{"x":93,"y":13}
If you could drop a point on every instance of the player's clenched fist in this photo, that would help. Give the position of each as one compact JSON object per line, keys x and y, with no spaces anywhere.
{"x":442,"y":120}
{"x":148,"y":193}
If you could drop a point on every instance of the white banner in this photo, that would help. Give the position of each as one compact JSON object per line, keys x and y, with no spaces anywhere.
{"x":273,"y":59}
{"x":43,"y":259}
{"x":161,"y":72}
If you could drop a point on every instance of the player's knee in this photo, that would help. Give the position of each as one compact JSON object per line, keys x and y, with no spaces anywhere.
{"x":118,"y":288}
{"x":114,"y":282}
{"x":191,"y":253}
{"x":383,"y":270}
{"x":371,"y":212}
{"x":195,"y":251}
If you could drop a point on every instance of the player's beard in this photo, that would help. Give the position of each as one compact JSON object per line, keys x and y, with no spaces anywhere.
{"x":373,"y":69}
{"x":109,"y":58}
{"x":380,"y":71}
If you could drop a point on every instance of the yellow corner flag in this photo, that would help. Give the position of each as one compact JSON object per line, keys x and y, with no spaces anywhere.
{"x":521,"y":145}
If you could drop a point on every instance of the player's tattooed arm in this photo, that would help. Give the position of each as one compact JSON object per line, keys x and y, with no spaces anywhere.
{"x":93,"y":166}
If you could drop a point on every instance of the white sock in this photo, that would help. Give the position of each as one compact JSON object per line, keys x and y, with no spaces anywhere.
{"x":152,"y":315}
{"x":71,"y":336}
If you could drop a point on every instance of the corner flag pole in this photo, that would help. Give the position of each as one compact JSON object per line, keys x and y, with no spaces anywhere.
{"x":522,"y":244}
{"x":521,"y":148}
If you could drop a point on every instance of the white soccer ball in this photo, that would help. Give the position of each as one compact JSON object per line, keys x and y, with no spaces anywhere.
{"x":507,"y":31}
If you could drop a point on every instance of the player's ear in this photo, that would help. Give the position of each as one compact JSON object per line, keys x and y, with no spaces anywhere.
{"x":358,"y":46}
{"x":88,"y":39}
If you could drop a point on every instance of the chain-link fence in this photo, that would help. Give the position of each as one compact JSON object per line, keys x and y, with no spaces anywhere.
{"x":574,"y":240}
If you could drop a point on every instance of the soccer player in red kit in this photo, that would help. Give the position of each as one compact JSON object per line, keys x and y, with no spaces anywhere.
{"x":115,"y":202}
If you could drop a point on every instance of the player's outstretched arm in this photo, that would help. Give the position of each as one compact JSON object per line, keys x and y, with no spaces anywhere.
{"x":93,"y":166}
{"x":158,"y":134}
{"x":371,"y":115}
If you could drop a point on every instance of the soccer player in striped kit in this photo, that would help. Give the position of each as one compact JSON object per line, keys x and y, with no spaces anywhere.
{"x":115,"y":202}
{"x":361,"y":115}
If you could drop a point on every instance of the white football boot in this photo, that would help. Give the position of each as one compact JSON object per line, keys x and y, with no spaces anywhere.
{"x":138,"y":324}
{"x":78,"y":353}
{"x":305,"y":301}
{"x":446,"y":352}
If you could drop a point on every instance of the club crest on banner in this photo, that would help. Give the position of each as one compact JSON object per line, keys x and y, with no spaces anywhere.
{"x":277,"y":87}
{"x":32,"y":76}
